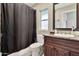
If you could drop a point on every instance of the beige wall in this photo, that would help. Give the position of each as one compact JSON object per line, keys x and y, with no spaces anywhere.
{"x":41,"y":6}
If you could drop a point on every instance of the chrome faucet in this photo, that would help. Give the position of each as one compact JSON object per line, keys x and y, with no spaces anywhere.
{"x":72,"y":29}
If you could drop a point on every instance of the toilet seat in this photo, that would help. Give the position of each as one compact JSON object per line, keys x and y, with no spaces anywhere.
{"x":37,"y":49}
{"x":34,"y":45}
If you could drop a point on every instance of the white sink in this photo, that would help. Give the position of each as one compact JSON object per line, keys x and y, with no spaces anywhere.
{"x":64,"y":35}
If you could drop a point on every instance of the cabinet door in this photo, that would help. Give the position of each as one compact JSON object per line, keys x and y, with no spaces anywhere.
{"x":49,"y":50}
{"x":74,"y":54}
{"x":61,"y":52}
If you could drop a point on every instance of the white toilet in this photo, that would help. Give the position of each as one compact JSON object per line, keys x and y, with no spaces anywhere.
{"x":37,"y":48}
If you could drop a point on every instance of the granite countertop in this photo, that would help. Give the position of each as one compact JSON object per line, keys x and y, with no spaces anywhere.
{"x":67,"y":38}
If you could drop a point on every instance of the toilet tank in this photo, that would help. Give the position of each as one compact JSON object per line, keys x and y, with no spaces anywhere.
{"x":40,"y":38}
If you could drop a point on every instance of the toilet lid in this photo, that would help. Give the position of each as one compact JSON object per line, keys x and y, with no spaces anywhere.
{"x":34,"y":45}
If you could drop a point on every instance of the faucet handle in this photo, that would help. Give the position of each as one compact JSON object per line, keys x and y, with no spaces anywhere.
{"x":55,"y":31}
{"x":72,"y":27}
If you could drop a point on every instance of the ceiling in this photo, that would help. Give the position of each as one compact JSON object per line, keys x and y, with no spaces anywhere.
{"x":31,"y":4}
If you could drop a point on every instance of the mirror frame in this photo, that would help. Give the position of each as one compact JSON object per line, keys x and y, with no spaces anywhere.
{"x":77,"y":18}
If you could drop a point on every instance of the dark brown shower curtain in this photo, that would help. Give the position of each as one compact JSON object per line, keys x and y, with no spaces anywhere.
{"x":18,"y":27}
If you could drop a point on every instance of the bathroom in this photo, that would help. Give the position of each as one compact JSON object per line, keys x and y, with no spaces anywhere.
{"x":44,"y":27}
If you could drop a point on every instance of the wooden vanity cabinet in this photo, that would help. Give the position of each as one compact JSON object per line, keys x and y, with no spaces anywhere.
{"x":60,"y":47}
{"x":61,"y":52}
{"x":49,"y":50}
{"x":55,"y":51}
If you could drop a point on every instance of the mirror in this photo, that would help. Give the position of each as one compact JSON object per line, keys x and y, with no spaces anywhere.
{"x":65,"y":15}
